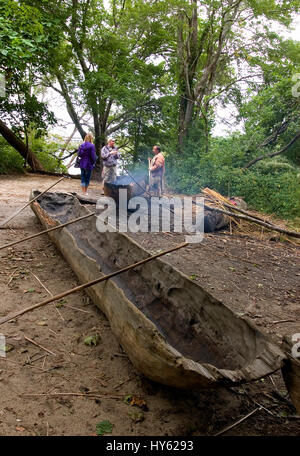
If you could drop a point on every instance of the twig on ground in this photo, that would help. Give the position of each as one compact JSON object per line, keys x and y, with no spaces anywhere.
{"x":48,"y":291}
{"x":12,"y":276}
{"x":238,"y":422}
{"x":21,"y":365}
{"x":122,"y":383}
{"x":36,"y":359}
{"x":58,"y":312}
{"x":40,"y":346}
{"x":89,"y":395}
{"x":76,"y":308}
{"x":53,"y":331}
{"x":273,"y":383}
{"x":283,"y":321}
{"x":40,"y":282}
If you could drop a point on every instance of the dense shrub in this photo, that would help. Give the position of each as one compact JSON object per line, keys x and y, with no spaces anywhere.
{"x":10,"y":160}
{"x":271,"y":186}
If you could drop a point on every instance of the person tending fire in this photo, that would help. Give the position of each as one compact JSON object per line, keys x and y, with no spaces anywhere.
{"x":156,"y":171}
{"x":110,"y":155}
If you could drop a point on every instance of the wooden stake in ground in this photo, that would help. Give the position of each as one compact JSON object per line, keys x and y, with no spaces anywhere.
{"x":89,"y":284}
{"x":46,"y":231}
{"x":29,"y":202}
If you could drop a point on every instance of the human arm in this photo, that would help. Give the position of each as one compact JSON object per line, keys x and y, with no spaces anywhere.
{"x":159,"y":163}
{"x":105,"y":153}
{"x":115,"y":152}
{"x":93,"y":154}
{"x":79,"y":151}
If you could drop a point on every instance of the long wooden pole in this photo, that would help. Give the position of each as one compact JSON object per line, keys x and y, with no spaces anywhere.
{"x":235,"y":208}
{"x":29,"y":202}
{"x":149,"y":171}
{"x":253,"y":220}
{"x":89,"y":284}
{"x":46,"y":231}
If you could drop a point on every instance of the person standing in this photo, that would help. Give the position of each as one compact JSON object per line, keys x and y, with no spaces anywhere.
{"x":157,"y":171}
{"x":88,"y":158}
{"x":110,"y":155}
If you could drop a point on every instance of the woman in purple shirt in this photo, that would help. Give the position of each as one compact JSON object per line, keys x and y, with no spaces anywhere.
{"x":88,"y":157}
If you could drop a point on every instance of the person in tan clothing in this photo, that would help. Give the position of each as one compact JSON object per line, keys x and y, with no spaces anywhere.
{"x":157,"y":171}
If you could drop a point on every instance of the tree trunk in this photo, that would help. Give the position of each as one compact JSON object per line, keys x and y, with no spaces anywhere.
{"x":203,"y":53}
{"x":188,"y":61}
{"x":70,"y":108}
{"x":20,"y":147}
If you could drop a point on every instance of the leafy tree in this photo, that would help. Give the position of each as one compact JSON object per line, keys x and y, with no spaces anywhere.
{"x":27,"y":40}
{"x":221,"y":47}
{"x":105,"y":61}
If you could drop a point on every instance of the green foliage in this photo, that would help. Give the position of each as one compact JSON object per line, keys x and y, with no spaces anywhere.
{"x":92,"y":340}
{"x":272,"y":186}
{"x":28,"y":42}
{"x":10,"y":159}
{"x":104,"y":427}
{"x":46,"y":149}
{"x":149,"y":72}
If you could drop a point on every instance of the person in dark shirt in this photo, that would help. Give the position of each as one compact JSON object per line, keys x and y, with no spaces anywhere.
{"x":88,"y":158}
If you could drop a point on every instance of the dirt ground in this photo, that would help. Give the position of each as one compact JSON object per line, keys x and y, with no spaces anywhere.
{"x":256,"y":278}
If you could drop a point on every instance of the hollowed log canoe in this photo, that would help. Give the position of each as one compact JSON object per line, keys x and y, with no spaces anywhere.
{"x":173,"y":330}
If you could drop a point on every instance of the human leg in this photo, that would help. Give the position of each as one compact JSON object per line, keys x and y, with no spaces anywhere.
{"x":82,"y":184}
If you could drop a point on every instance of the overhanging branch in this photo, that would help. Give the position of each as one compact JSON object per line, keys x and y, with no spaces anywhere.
{"x":273,"y":154}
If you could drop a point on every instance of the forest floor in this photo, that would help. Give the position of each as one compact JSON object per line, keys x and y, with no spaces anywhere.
{"x":255,"y":277}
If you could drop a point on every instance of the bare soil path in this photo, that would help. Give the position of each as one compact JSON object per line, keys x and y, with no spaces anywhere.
{"x":257,"y":279}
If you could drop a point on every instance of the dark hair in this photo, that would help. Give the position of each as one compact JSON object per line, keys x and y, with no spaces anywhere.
{"x":158,"y":148}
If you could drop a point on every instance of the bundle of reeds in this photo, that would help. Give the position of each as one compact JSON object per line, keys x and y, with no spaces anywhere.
{"x":245,"y":222}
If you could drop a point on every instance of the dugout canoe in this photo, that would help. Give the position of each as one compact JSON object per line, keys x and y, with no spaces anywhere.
{"x":173,"y":331}
{"x":291,"y":370}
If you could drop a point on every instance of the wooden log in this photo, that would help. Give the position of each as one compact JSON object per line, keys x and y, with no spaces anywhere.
{"x":29,"y":202}
{"x":291,"y":374}
{"x":254,"y":220}
{"x":88,"y":284}
{"x":46,"y":231}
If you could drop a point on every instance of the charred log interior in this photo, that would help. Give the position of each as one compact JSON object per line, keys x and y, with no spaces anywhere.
{"x":192,"y":321}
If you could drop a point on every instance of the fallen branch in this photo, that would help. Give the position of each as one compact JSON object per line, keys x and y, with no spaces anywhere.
{"x":46,"y":231}
{"x":242,"y":211}
{"x":29,"y":202}
{"x":40,"y":346}
{"x":89,"y":284}
{"x":21,"y":365}
{"x":12,"y":276}
{"x":238,"y":422}
{"x":283,"y":321}
{"x":41,"y":283}
{"x":89,"y":395}
{"x":254,"y":220}
{"x":49,"y":293}
{"x":76,"y":308}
